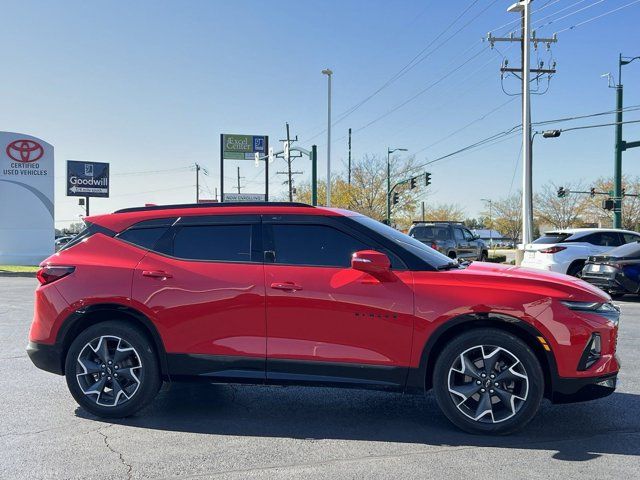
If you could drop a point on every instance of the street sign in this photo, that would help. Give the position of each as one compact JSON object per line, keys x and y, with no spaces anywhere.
{"x":87,"y":179}
{"x":243,"y":147}
{"x":244,"y":197}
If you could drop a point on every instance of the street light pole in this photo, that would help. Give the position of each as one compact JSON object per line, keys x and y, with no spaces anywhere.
{"x":490,"y":202}
{"x":389,"y":152}
{"x":328,"y":73}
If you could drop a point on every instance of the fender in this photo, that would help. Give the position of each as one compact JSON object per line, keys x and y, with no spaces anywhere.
{"x":73,"y":324}
{"x":419,"y":379}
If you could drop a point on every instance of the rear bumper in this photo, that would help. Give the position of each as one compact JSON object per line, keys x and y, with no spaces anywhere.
{"x":570,"y":390}
{"x":616,"y":283}
{"x":46,"y":357}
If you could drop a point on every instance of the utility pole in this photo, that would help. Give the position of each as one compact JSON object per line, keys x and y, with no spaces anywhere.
{"x":620,"y":146}
{"x":197,"y":183}
{"x":288,"y":157}
{"x":349,"y":162}
{"x":490,"y":202}
{"x":328,"y":72}
{"x":524,"y":72}
{"x":423,"y":210}
{"x":239,"y":177}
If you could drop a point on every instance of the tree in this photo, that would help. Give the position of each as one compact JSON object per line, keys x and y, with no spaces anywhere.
{"x":564,"y":212}
{"x":630,"y":205}
{"x":367,"y":193}
{"x":507,"y":216}
{"x":445,"y":211}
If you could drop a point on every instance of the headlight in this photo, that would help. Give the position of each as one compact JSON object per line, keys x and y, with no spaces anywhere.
{"x":608,"y":309}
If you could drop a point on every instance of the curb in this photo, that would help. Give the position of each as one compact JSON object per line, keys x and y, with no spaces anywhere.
{"x":18,"y":274}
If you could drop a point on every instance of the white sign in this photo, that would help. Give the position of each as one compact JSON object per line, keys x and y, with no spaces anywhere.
{"x":26,"y":199}
{"x":244,"y":197}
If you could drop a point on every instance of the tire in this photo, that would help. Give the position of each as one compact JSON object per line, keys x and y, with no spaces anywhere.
{"x":93,"y":383}
{"x":575,"y":269}
{"x":616,"y":295}
{"x":464,"y":402}
{"x":484,"y":256}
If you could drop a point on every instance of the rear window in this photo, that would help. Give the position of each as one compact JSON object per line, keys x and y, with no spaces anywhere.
{"x":430,"y":232}
{"x":143,"y":237}
{"x":89,"y":230}
{"x":553,"y":237}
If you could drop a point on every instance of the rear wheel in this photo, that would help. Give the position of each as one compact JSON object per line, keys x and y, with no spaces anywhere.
{"x":575,"y":269}
{"x":488,"y":381}
{"x":112,"y":370}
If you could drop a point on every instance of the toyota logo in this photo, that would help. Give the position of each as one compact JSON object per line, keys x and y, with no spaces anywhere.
{"x":25,"y":151}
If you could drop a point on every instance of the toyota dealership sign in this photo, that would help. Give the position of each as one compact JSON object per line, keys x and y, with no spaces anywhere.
{"x":26,"y":199}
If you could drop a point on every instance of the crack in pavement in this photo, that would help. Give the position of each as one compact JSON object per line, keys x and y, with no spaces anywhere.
{"x":105,"y":438}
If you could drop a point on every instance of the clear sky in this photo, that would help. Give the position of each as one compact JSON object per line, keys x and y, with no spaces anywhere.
{"x":150,"y":85}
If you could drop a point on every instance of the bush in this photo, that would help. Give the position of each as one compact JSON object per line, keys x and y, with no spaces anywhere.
{"x":497,"y":259}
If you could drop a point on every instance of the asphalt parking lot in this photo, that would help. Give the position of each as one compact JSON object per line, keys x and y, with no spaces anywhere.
{"x":209,"y":431}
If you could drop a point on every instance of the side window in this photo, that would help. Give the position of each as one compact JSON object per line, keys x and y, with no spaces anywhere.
{"x":467,"y":234}
{"x":143,"y":237}
{"x":318,"y":245}
{"x":630,"y":237}
{"x":222,"y":243}
{"x":458,"y":233}
{"x":602,"y":239}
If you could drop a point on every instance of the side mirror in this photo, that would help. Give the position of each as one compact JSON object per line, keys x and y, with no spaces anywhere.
{"x":370,"y":261}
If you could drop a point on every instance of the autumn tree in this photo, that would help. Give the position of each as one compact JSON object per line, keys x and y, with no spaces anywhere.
{"x":445,"y":211}
{"x":630,"y":204}
{"x":506,"y":216}
{"x":564,"y":212}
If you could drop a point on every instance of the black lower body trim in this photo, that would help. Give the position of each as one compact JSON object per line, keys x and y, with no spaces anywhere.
{"x":570,"y":390}
{"x":46,"y":357}
{"x":232,"y":369}
{"x":332,"y":374}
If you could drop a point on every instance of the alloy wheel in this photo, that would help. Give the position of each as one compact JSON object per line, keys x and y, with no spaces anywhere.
{"x":108,"y":370}
{"x":488,"y":384}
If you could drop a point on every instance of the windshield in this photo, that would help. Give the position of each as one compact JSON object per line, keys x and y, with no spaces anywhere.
{"x":416,"y":247}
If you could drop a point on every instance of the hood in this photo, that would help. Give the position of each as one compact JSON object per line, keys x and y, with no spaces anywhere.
{"x":530,"y":279}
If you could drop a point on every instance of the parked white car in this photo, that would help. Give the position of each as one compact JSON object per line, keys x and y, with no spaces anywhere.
{"x":565,"y":251}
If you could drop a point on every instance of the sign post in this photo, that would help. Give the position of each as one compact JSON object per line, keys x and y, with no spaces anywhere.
{"x":87,"y":179}
{"x":243,"y":147}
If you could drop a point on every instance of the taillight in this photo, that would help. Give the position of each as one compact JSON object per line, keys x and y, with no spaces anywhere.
{"x":553,"y":250}
{"x":51,"y":273}
{"x":434,"y":245}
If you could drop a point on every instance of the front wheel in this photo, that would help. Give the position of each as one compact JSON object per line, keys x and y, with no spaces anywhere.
{"x":488,"y":381}
{"x":112,"y":370}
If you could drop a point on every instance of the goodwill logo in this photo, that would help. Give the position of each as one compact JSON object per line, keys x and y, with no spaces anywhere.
{"x":23,"y":156}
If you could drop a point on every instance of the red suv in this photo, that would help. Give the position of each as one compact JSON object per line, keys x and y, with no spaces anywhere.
{"x":293,"y":294}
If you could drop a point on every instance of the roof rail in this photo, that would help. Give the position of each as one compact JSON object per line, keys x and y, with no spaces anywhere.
{"x":212,"y":204}
{"x":438,"y":221}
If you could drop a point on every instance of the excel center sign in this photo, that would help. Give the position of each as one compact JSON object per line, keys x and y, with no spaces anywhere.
{"x":243,"y":147}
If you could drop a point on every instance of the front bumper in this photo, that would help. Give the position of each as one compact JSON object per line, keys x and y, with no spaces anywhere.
{"x":570,"y":390}
{"x":46,"y":357}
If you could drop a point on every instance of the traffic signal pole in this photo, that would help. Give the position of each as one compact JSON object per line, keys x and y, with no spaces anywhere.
{"x":617,"y":169}
{"x":620,"y":146}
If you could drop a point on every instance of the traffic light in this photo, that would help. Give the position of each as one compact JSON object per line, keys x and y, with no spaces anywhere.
{"x":561,"y":192}
{"x":396,"y":197}
{"x":413,"y":182}
{"x":608,"y":204}
{"x":623,"y":191}
{"x":592,"y":192}
{"x":427,"y":179}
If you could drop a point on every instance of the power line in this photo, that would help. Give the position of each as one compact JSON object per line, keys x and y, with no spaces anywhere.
{"x":599,"y":16}
{"x":586,"y":7}
{"x":416,"y":60}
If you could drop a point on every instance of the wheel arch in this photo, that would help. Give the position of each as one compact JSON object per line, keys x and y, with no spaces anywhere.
{"x":82,"y":319}
{"x":576,"y":262}
{"x":421,"y":378}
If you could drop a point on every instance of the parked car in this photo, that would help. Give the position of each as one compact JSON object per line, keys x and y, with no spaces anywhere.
{"x":450,"y":238}
{"x":62,"y":241}
{"x":617,"y":271}
{"x":292,"y":294}
{"x":566,"y":251}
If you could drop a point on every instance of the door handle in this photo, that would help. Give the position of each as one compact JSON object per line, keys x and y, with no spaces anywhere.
{"x":156,"y":274}
{"x":289,"y":286}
